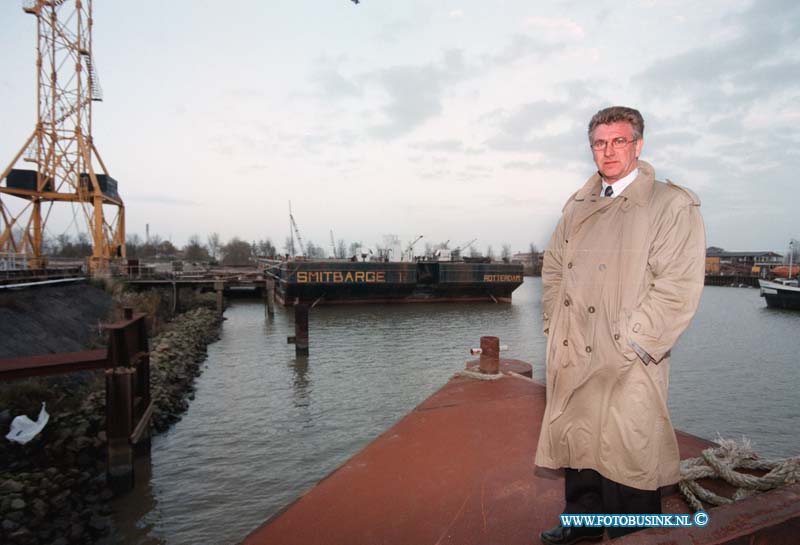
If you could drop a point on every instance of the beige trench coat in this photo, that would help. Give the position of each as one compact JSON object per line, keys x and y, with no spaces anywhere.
{"x":621,"y":280}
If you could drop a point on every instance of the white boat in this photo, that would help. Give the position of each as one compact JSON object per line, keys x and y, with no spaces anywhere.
{"x":781,"y":293}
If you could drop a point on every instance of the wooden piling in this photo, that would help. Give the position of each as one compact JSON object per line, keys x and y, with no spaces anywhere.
{"x":269,"y":294}
{"x":219,"y":286}
{"x":301,"y":329}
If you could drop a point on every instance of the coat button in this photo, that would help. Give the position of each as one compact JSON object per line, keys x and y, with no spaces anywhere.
{"x":591,"y":310}
{"x":569,"y":265}
{"x":637,"y":327}
{"x":588,"y":349}
{"x":616,"y":336}
{"x":566,"y":302}
{"x":565,"y":343}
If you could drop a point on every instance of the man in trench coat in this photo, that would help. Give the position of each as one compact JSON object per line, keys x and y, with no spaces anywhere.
{"x":622,"y":278}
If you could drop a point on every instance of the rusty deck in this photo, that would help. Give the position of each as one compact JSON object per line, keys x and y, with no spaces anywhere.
{"x":459,"y":469}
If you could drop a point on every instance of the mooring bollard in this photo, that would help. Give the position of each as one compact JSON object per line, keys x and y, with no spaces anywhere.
{"x":490,"y":362}
{"x":270,"y":295}
{"x":490,"y":355}
{"x":300,"y":338}
{"x":219,"y":286}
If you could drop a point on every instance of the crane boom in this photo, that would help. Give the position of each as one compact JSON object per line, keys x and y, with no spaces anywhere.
{"x":296,"y":231}
{"x":466,"y":245}
{"x":411,"y":246}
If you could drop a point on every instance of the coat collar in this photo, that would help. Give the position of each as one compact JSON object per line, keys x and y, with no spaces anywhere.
{"x":639,"y":192}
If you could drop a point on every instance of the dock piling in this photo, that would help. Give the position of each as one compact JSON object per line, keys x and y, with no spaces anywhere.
{"x":219,"y":286}
{"x":270,"y":297}
{"x":119,"y":425}
{"x":301,"y":329}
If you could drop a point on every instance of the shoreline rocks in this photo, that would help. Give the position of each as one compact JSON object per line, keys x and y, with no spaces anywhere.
{"x":53,"y":489}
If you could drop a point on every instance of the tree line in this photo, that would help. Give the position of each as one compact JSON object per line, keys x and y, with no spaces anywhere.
{"x":239,"y":252}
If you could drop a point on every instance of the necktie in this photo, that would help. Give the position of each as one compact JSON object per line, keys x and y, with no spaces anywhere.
{"x":609,"y":191}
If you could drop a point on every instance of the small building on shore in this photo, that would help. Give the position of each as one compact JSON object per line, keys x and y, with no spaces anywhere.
{"x":531,"y":262}
{"x":719,"y":261}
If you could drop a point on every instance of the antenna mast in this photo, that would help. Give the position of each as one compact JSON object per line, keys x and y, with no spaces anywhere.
{"x":68,"y":167}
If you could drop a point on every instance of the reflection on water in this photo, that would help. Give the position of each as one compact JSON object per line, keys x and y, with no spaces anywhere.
{"x":266,"y":425}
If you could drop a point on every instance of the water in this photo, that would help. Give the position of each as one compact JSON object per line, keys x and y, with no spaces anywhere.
{"x":266,"y":425}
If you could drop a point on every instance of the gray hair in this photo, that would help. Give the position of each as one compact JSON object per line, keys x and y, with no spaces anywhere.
{"x":615,"y":114}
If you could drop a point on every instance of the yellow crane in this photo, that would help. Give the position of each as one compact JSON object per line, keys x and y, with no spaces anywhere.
{"x":65,"y":165}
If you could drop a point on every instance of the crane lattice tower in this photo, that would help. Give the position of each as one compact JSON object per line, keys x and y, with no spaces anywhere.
{"x":64,"y":165}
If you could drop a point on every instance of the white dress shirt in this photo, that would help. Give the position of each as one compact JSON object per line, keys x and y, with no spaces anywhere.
{"x":620,"y":185}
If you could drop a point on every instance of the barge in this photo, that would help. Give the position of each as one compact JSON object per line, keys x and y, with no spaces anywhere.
{"x":459,"y":469}
{"x":339,"y":281}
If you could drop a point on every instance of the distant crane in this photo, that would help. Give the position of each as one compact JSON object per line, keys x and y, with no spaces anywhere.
{"x":465,"y":245}
{"x":296,"y":232}
{"x":410,"y":248}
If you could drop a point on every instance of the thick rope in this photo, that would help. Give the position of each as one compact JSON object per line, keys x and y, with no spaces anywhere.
{"x":477,"y":375}
{"x":722,"y":462}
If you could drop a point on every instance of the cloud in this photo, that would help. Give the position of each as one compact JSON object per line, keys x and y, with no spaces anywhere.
{"x":332,"y":84}
{"x":556,"y":27}
{"x":546,"y":129}
{"x":154,"y":198}
{"x":397,"y":30}
{"x":731,"y":74}
{"x":446,"y":146}
{"x":449,"y":145}
{"x":519,"y":165}
{"x":521,"y":46}
{"x":415,"y":93}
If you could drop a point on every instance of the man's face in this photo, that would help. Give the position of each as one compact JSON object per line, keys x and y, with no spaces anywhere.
{"x":614,"y":164}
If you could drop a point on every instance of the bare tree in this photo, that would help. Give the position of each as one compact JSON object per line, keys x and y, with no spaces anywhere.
{"x":490,"y":252}
{"x":195,"y":251}
{"x":341,"y":249}
{"x":265,"y":248}
{"x":355,"y":247}
{"x":236,"y":252}
{"x":505,"y":253}
{"x":133,"y":245}
{"x":289,"y":247}
{"x":166,"y":249}
{"x":214,"y":246}
{"x":314,"y":251}
{"x":534,"y":251}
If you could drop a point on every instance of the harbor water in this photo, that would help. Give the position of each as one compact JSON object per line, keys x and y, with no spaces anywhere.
{"x":266,"y":425}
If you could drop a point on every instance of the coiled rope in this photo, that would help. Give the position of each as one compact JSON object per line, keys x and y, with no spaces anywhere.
{"x":722,"y":462}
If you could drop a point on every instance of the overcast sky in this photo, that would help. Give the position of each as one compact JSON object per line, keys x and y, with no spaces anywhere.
{"x":452,"y":119}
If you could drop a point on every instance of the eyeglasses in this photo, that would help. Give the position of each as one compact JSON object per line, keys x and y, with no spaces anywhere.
{"x":617,"y":143}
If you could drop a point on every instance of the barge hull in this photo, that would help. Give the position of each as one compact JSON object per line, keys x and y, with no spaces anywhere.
{"x":343,"y":282}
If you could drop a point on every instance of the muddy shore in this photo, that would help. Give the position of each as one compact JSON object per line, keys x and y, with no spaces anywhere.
{"x":53,"y":489}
